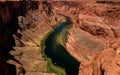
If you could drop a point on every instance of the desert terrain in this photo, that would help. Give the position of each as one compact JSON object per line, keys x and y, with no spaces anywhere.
{"x":93,"y":40}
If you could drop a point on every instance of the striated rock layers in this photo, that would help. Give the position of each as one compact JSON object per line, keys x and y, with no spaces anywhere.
{"x":93,"y":40}
{"x":23,"y":25}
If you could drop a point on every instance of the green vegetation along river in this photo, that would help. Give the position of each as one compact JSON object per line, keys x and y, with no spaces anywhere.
{"x":56,"y":51}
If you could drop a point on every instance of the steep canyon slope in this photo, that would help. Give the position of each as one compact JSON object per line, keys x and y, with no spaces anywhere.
{"x":94,"y":39}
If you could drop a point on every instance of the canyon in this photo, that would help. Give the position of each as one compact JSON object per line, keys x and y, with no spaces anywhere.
{"x":93,"y":40}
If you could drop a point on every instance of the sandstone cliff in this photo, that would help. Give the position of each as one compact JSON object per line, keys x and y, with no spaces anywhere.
{"x":23,"y":25}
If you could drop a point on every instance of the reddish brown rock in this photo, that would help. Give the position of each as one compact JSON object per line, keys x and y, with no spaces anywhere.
{"x":93,"y":40}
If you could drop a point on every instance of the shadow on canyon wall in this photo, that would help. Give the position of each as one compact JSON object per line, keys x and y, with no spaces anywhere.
{"x":109,"y":2}
{"x":9,"y":11}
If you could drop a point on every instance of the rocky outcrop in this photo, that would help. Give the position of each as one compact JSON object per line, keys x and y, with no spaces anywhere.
{"x":23,"y":25}
{"x":8,"y":27}
{"x":99,"y":25}
{"x":22,"y":29}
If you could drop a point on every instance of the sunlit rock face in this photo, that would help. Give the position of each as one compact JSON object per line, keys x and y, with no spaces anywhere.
{"x":93,"y":40}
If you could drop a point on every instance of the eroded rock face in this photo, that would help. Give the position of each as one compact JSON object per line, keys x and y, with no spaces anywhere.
{"x":23,"y":25}
{"x":93,"y":40}
{"x":8,"y":26}
{"x":96,"y":20}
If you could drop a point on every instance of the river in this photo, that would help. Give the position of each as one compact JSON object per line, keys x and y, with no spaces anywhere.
{"x":56,"y":51}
